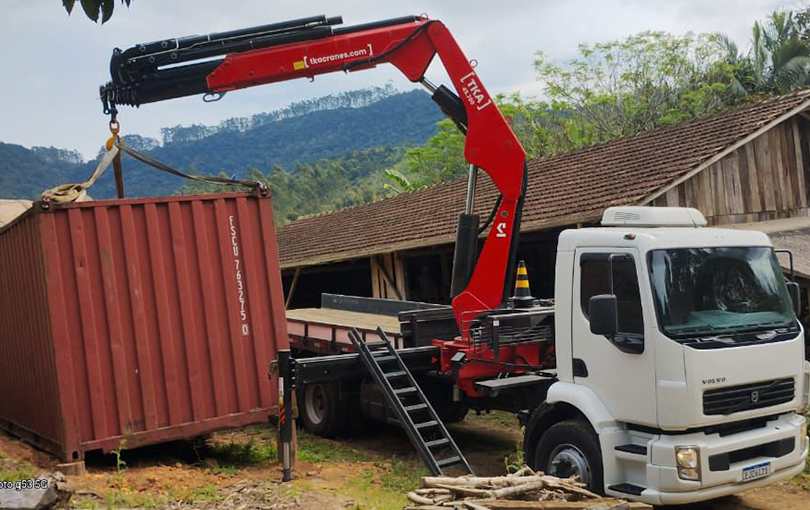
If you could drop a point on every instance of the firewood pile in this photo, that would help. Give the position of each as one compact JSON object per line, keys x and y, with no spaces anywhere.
{"x":523,"y":490}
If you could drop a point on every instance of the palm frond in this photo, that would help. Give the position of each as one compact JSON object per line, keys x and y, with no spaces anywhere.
{"x":792,"y":74}
{"x":728,"y":47}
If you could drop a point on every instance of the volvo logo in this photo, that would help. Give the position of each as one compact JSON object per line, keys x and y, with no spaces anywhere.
{"x":755,"y":397}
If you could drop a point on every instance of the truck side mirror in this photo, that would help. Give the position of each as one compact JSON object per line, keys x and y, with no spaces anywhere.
{"x":795,"y":296}
{"x":603,"y":315}
{"x":792,"y":287}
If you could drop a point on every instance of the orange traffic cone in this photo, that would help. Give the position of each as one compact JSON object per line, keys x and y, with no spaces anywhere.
{"x":523,"y":296}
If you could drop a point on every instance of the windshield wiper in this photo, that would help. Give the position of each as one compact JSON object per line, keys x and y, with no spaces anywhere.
{"x":694,"y":330}
{"x":745,"y":403}
{"x":732,"y":332}
{"x":765,"y":326}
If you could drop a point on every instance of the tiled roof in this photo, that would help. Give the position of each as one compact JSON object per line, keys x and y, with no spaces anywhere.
{"x":564,"y":189}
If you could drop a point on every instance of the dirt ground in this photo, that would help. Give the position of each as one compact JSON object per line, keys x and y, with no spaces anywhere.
{"x":239,"y":470}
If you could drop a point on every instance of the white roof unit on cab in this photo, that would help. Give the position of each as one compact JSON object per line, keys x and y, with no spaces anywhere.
{"x":631,"y":216}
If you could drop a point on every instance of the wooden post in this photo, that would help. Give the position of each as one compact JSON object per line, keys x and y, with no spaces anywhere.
{"x":399,"y":272}
{"x":388,"y":279}
{"x":292,"y":288}
{"x":376,"y":289}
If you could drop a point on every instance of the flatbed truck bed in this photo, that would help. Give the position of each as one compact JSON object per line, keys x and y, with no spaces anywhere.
{"x":324,"y":355}
{"x":326,"y":330}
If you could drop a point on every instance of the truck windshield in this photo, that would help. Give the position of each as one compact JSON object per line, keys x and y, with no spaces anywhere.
{"x":719,"y":290}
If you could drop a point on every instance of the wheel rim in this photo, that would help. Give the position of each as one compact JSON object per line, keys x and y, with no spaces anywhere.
{"x":315,"y":403}
{"x":567,"y":460}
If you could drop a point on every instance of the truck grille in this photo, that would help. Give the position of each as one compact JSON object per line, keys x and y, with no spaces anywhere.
{"x":748,"y":396}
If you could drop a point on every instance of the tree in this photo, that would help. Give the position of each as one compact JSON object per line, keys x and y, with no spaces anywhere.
{"x":778,"y":60}
{"x":779,"y":56}
{"x":440,"y":159}
{"x":620,"y":88}
{"x":327,"y":184}
{"x":611,"y":90}
{"x":95,"y":8}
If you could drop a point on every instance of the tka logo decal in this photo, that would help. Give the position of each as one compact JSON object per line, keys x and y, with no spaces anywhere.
{"x":474,"y":92}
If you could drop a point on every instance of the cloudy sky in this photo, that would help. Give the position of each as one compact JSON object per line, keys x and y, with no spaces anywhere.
{"x":53,"y":64}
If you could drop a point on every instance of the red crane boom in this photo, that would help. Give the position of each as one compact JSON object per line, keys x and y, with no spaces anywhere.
{"x":312,"y":46}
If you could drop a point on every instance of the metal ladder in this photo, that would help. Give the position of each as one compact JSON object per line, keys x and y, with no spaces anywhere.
{"x":414,"y":412}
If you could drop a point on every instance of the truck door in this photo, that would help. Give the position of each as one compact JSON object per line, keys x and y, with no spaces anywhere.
{"x":620,"y":370}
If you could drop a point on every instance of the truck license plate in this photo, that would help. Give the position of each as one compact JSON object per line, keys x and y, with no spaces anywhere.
{"x":756,"y":471}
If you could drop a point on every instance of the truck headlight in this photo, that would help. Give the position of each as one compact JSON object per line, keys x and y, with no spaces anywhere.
{"x":688,"y":459}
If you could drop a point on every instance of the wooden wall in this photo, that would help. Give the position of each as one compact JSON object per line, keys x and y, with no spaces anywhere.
{"x":765,"y":179}
{"x":388,"y":277}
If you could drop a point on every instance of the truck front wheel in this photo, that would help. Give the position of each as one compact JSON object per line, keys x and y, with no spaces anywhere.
{"x":571,"y":448}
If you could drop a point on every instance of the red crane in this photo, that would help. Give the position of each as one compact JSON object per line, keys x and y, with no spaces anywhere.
{"x":218,"y":63}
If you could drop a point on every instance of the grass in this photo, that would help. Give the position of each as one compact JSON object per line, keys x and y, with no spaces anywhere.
{"x":380,"y":486}
{"x":516,"y":460}
{"x":374,"y":482}
{"x":803,"y":479}
{"x":223,"y":470}
{"x":120,"y":463}
{"x":384,"y":488}
{"x":500,"y":417}
{"x":20,"y":471}
{"x":368,"y":493}
{"x":14,"y":471}
{"x":403,"y":476}
{"x":233,"y":454}
{"x":377,"y":486}
{"x":128,"y":498}
{"x":316,"y":450}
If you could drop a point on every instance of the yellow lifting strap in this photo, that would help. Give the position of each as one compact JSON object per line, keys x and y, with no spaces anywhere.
{"x":77,"y":192}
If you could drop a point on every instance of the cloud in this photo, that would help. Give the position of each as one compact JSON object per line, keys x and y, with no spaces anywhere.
{"x":54,"y":63}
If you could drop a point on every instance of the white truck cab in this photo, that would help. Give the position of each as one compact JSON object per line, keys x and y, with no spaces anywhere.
{"x":679,"y":346}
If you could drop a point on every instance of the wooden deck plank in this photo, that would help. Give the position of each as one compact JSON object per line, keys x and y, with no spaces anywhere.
{"x":345,"y":318}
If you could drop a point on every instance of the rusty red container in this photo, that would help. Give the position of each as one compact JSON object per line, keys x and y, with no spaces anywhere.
{"x":139,"y":320}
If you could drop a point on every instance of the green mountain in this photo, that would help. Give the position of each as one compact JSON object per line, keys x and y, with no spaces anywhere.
{"x":325,"y":185}
{"x":25,"y":173}
{"x":398,"y":120}
{"x":356,"y":131}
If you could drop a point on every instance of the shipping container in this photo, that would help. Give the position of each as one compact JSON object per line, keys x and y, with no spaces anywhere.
{"x":137,"y":321}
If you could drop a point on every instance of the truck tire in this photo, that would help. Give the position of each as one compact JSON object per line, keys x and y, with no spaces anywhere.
{"x":439,"y":393}
{"x":570,"y":448}
{"x":320,"y":409}
{"x":452,"y":413}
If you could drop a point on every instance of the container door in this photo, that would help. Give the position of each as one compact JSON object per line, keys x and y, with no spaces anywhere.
{"x":620,"y":369}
